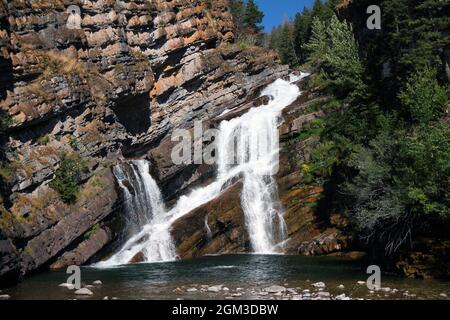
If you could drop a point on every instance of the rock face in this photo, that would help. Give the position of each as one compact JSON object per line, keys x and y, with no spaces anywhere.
{"x":428,"y":258}
{"x":216,"y":227}
{"x":112,"y":89}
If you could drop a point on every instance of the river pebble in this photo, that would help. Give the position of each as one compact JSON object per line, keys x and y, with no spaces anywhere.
{"x":319,"y":285}
{"x":275,"y":289}
{"x":84,"y":292}
{"x":214,"y":288}
{"x":67,"y":285}
{"x":323,"y":294}
{"x":342,"y":297}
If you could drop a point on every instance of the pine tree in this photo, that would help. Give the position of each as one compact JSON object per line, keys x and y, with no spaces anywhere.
{"x":274,"y":38}
{"x":321,"y":11}
{"x":342,"y":57}
{"x":318,"y":44}
{"x":286,"y":46}
{"x":252,"y":17}
{"x":302,"y":31}
{"x":237,"y":9}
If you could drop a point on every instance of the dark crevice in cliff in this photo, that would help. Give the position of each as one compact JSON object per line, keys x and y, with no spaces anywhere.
{"x":134,"y":113}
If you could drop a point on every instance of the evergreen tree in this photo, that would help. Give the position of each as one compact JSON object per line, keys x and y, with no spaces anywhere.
{"x":384,"y":145}
{"x":321,"y":10}
{"x":237,"y":9}
{"x":302,"y":31}
{"x":274,"y":38}
{"x":342,"y":60}
{"x":423,"y":99}
{"x":318,"y":44}
{"x":252,"y":17}
{"x":286,"y":46}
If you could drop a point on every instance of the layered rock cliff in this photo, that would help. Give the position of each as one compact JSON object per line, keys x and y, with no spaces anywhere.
{"x":111,"y":88}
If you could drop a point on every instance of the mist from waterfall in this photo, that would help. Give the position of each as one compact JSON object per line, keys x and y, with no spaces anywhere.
{"x":248,"y":148}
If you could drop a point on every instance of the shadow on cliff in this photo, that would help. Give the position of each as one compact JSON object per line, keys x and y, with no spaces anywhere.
{"x":134,"y":114}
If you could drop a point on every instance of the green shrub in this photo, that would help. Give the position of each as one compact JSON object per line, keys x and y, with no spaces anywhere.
{"x":68,"y":176}
{"x":43,"y":140}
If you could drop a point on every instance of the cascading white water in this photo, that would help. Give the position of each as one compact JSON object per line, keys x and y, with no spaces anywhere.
{"x":144,"y":207}
{"x":247,"y":147}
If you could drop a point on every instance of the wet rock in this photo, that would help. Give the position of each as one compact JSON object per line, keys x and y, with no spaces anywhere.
{"x":275,"y":289}
{"x":215,"y":288}
{"x":362,"y":283}
{"x":323,"y":294}
{"x":138,"y":258}
{"x":67,"y":285}
{"x":428,"y":258}
{"x":84,"y":292}
{"x":9,"y":262}
{"x":192,"y":290}
{"x":4,"y":296}
{"x":94,"y":243}
{"x":319,"y":285}
{"x":341,"y":287}
{"x":97,"y":282}
{"x":342,"y":297}
{"x":226,"y":221}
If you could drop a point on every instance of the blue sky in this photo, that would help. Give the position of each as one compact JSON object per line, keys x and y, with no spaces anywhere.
{"x":277,"y":10}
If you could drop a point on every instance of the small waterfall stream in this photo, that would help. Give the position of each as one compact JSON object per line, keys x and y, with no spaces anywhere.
{"x":247,"y":147}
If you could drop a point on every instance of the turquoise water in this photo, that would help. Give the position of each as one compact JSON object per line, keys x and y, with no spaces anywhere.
{"x":244,"y":275}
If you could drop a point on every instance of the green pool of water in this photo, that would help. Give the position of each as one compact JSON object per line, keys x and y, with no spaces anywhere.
{"x":250,"y":273}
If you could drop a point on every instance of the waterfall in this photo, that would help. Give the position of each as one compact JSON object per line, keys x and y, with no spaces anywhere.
{"x":144,"y":208}
{"x":247,"y":147}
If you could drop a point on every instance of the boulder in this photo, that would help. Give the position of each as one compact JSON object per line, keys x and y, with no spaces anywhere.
{"x":226,"y":221}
